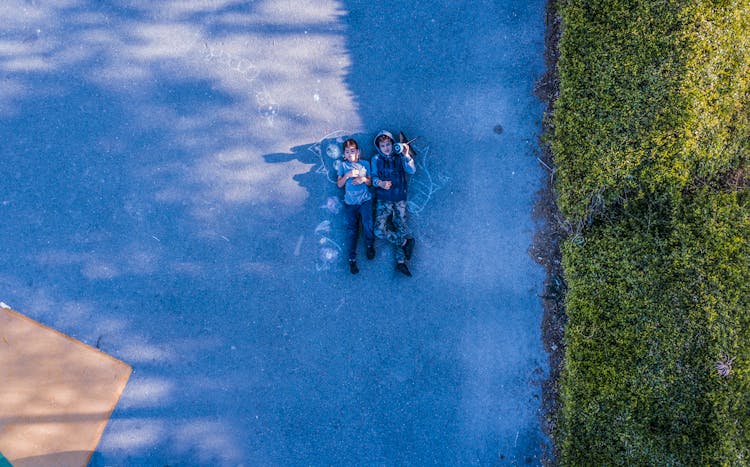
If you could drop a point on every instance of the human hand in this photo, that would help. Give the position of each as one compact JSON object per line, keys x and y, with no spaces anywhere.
{"x":385,"y":184}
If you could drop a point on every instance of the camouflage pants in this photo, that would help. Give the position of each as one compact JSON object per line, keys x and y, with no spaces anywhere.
{"x":395,"y":211}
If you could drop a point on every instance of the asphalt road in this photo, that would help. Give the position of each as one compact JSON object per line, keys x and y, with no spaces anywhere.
{"x":168,"y":198}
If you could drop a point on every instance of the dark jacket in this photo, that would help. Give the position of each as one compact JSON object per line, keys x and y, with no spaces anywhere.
{"x":393,"y":168}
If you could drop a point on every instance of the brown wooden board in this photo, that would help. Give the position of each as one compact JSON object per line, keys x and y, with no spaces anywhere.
{"x":56,"y":394}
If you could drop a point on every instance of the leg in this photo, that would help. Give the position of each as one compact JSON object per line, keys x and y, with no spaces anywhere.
{"x":365,"y":212}
{"x":352,"y":230}
{"x":402,"y":230}
{"x":383,"y":212}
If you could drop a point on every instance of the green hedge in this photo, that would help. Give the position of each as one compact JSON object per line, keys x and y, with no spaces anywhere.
{"x":653,"y":304}
{"x":651,"y":141}
{"x":653,"y":94}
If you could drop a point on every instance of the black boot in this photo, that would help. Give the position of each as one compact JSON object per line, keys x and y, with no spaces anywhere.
{"x":353,"y":267}
{"x":370,"y":252}
{"x":403,"y":269}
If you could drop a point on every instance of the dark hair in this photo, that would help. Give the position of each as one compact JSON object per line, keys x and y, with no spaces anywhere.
{"x":382,"y":138}
{"x":350,"y":143}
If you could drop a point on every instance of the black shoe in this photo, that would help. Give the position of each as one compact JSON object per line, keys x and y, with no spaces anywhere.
{"x":409,"y":247}
{"x":370,"y":252}
{"x":353,"y":267}
{"x":403,"y":269}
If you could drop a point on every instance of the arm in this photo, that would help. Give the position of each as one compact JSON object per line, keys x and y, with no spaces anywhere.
{"x":410,"y":166}
{"x":375,"y":180}
{"x":357,"y":180}
{"x":342,"y":176}
{"x":367,"y":178}
{"x":341,"y":180}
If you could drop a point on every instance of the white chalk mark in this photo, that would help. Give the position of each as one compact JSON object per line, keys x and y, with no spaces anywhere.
{"x":267,"y":106}
{"x":333,"y":243}
{"x":156,"y":238}
{"x":327,"y":257}
{"x":332,"y":153}
{"x":328,"y":254}
{"x":298,"y":247}
{"x":328,"y":152}
{"x":332,"y":205}
{"x":422,"y":185}
{"x":323,"y":228}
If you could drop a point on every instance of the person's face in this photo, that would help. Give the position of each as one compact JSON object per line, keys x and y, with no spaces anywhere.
{"x":351,"y":154}
{"x":386,"y":146}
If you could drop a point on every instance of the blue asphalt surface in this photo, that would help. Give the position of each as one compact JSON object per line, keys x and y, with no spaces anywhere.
{"x":167,"y":197}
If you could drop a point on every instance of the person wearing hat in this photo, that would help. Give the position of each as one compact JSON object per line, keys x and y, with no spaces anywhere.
{"x":389,"y":178}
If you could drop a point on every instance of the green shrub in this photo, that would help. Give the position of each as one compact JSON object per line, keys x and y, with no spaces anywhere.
{"x":653,"y":303}
{"x":651,"y":140}
{"x":653,"y":96}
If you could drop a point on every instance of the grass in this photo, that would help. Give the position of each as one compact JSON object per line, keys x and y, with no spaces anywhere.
{"x":651,"y":142}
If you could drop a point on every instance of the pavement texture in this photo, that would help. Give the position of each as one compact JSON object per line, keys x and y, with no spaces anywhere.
{"x":168,"y":200}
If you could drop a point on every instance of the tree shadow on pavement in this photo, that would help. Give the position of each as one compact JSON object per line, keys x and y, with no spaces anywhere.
{"x":172,"y":204}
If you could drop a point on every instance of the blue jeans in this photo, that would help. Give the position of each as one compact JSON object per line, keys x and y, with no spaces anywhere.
{"x":354,"y":214}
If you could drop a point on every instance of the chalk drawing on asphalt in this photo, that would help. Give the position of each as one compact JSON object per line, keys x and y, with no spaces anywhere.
{"x":328,"y":151}
{"x":298,"y":246}
{"x":329,"y":253}
{"x":423,"y":184}
{"x":266,"y":105}
{"x":324,"y":228}
{"x":332,"y":205}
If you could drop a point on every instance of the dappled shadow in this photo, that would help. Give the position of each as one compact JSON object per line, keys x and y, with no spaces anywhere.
{"x":171,"y":202}
{"x":147,"y":215}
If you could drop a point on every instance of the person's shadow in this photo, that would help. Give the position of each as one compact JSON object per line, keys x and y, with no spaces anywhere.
{"x":322,"y":212}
